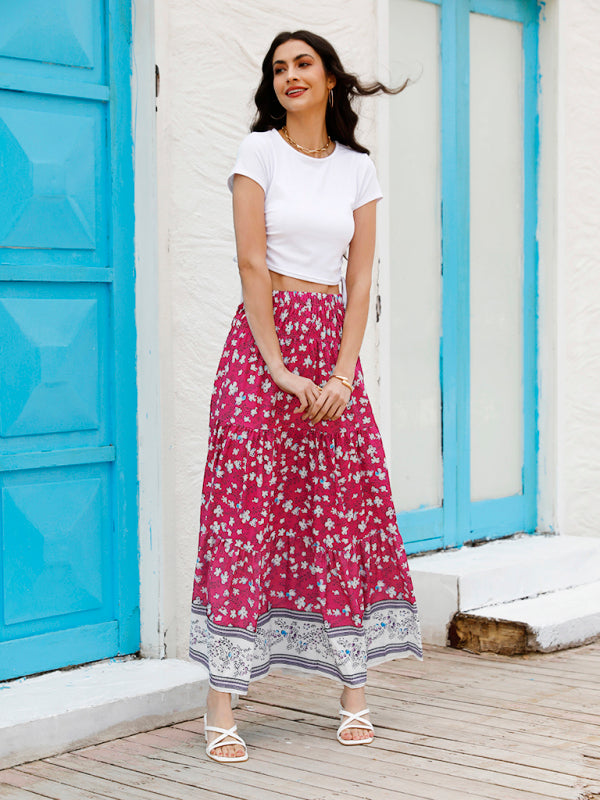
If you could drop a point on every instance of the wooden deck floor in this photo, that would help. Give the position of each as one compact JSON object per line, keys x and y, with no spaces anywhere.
{"x":457,"y":726}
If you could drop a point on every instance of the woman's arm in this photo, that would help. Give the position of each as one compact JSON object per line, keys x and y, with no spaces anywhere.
{"x":332,"y":401}
{"x":358,"y":288}
{"x":251,"y":245}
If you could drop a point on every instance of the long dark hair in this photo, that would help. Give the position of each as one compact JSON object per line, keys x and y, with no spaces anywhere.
{"x":341,"y":119}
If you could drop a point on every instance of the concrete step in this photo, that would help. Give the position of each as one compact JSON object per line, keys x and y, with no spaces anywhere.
{"x":552,"y":621}
{"x":500,"y":571}
{"x":60,"y":711}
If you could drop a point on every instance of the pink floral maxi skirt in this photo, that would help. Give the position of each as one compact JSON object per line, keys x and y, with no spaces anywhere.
{"x":300,"y":561}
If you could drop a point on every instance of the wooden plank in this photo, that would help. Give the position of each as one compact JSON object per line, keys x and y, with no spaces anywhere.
{"x":13,"y":778}
{"x":485,"y":635}
{"x":296,"y":762}
{"x":502,"y":751}
{"x":272,"y":768}
{"x":541,"y":661}
{"x":535,"y":700}
{"x":8,"y":792}
{"x":456,"y":660}
{"x":450,"y":673}
{"x":421,"y":711}
{"x":523,"y":690}
{"x":528,"y":697}
{"x":534,"y":703}
{"x":482,"y":727}
{"x":284,"y":759}
{"x":301,"y":764}
{"x":100,"y":784}
{"x":586,"y":721}
{"x":504,"y":760}
{"x":452,"y":735}
{"x":243,"y":784}
{"x":570,"y":704}
{"x":122,"y":776}
{"x":17,"y":780}
{"x":486,"y":664}
{"x":526,"y":743}
{"x":350,"y":765}
{"x":388,"y":760}
{"x":536,"y":664}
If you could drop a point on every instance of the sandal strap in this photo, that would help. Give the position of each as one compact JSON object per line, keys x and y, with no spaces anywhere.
{"x":347,"y":723}
{"x":222,"y":730}
{"x":223,"y":735}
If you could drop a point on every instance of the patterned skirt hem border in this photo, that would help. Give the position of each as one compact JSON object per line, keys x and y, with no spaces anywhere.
{"x":283,"y":669}
{"x":296,"y":640}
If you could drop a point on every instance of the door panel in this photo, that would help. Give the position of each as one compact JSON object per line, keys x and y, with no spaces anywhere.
{"x":68,"y":488}
{"x":54,"y":39}
{"x":496,"y":264}
{"x":55,"y":193}
{"x":463,"y":269}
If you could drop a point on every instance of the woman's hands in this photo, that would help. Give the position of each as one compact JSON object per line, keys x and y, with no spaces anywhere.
{"x":316,"y":403}
{"x":330,"y":404}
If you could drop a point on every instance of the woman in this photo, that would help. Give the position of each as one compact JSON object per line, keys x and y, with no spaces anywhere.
{"x":300,"y":562}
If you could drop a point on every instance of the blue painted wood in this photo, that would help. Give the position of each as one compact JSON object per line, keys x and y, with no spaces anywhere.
{"x":52,"y":86}
{"x":455,"y":256}
{"x":57,"y":458}
{"x":59,"y":40}
{"x":56,"y":274}
{"x":56,"y":199}
{"x":58,"y":649}
{"x":124,"y":331}
{"x":461,"y":520}
{"x":420,"y":545}
{"x":505,"y":9}
{"x":531,"y":259}
{"x":68,"y":520}
{"x":498,"y":517}
{"x":425,"y":526}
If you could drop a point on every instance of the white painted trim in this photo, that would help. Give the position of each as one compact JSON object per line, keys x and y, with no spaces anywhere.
{"x":551,"y":214}
{"x":383,"y":224}
{"x":155,"y":602}
{"x":561,"y":265}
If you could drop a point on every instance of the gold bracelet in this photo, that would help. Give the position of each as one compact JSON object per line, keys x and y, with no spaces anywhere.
{"x":344,"y":380}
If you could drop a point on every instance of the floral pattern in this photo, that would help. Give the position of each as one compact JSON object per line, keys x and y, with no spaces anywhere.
{"x":300,"y":561}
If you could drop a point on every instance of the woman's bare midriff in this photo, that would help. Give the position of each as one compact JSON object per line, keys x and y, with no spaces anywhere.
{"x":286,"y":284}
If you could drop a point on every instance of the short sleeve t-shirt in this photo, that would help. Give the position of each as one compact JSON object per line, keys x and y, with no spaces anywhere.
{"x":309,"y":202}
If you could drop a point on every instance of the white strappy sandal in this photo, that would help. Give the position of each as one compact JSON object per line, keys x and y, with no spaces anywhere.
{"x":349,"y":723}
{"x":218,"y":742}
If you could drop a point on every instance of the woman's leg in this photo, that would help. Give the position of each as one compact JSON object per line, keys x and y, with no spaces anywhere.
{"x":220,"y":714}
{"x":353,"y":700}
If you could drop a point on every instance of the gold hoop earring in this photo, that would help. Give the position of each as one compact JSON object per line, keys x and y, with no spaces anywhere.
{"x":331,"y":97}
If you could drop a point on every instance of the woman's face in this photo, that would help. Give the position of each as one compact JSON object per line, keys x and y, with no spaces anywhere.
{"x":299,"y":78}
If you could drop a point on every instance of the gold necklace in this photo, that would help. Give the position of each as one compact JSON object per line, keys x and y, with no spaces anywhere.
{"x":284,"y":130}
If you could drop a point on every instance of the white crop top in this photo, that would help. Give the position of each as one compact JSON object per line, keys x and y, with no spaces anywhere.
{"x":308,"y":202}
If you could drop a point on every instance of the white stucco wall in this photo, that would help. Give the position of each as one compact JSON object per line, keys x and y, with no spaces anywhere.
{"x":578,"y":284}
{"x":209,"y":53}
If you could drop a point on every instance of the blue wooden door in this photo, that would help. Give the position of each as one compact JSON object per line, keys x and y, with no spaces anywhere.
{"x":68,"y":501}
{"x":465,"y":38}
